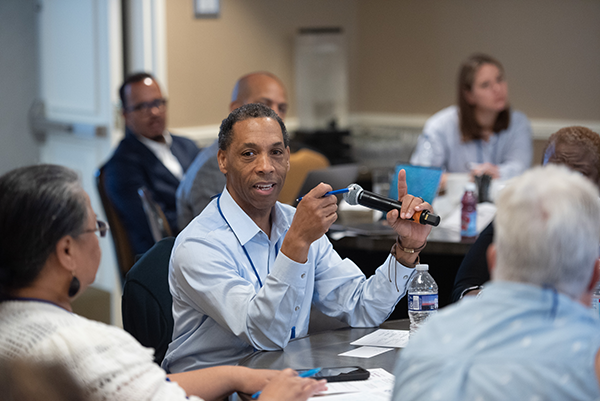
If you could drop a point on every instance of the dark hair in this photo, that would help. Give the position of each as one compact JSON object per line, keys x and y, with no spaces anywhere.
{"x":469,"y":127}
{"x":131,"y":79}
{"x":38,"y":206}
{"x":245,"y":112}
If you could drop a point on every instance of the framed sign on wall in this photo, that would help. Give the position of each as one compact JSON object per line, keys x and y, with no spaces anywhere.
{"x":206,"y":8}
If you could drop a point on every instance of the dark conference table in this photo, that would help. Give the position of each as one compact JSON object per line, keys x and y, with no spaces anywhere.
{"x":378,"y":237}
{"x":322,"y":349}
{"x":443,"y":253}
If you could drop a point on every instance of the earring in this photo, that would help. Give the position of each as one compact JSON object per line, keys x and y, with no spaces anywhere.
{"x":74,"y":287}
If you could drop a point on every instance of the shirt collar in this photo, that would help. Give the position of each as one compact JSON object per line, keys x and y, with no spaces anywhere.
{"x":244,"y":227}
{"x":520,"y":292}
{"x":153,"y":144}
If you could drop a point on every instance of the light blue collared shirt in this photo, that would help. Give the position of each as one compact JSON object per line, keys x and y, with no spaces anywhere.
{"x":221,"y":311}
{"x":513,"y":342}
{"x":511,"y":150}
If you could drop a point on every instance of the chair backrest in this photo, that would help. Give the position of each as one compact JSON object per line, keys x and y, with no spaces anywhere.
{"x":123,"y":249}
{"x":146,"y":302}
{"x":338,"y":176}
{"x":159,"y":226}
{"x":301,"y":163}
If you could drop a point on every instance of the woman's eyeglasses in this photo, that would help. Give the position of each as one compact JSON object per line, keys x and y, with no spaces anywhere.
{"x":101,"y":227}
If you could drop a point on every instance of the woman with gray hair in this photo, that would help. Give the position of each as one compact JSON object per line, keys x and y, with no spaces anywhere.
{"x":48,"y":256}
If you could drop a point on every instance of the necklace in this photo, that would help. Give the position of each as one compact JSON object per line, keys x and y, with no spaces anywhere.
{"x":31,"y":299}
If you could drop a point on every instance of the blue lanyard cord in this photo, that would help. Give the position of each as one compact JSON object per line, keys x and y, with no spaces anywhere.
{"x":240,"y":242}
{"x":251,"y":264}
{"x":293,"y":333}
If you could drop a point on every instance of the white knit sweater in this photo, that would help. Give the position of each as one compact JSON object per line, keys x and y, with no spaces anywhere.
{"x":106,"y":361}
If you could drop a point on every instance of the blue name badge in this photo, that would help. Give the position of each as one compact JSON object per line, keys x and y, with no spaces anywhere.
{"x":421,"y":181}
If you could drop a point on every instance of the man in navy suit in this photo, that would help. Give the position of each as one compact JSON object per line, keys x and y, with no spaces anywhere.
{"x":149,"y":156}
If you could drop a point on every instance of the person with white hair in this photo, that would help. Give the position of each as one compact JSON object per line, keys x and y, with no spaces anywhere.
{"x":530,"y":334}
{"x":575,"y":147}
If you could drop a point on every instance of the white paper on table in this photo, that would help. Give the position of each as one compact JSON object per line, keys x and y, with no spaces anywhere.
{"x":375,"y":395}
{"x":338,"y":235}
{"x":365,"y":352}
{"x":384,"y":338}
{"x":381,"y":374}
{"x":485,"y":213}
{"x":377,"y":387}
{"x":345,"y":206}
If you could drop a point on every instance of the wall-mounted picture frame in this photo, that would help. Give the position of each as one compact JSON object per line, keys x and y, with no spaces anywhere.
{"x":207,"y":8}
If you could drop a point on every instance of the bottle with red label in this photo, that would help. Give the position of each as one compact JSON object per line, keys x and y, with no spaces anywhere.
{"x":468,"y":216}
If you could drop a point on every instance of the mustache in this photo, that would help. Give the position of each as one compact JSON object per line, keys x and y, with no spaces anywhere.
{"x":154,"y":119}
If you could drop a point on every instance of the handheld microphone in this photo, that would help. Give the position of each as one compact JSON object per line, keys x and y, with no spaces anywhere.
{"x":358,"y":196}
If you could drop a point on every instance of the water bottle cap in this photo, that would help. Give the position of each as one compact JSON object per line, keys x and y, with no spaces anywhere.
{"x":470,"y":186}
{"x":422,"y":267}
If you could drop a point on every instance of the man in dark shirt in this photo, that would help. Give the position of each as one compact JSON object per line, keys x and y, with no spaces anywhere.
{"x":149,"y":156}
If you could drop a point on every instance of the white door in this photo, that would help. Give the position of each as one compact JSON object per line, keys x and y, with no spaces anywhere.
{"x":81,"y":68}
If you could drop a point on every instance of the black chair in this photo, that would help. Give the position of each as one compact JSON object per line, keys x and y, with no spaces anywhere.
{"x":146,"y":302}
{"x":159,"y":226}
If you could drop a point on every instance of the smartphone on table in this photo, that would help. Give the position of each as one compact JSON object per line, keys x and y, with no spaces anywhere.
{"x":340,"y":374}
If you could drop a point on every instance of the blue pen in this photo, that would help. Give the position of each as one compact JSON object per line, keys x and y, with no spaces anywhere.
{"x":308,"y":373}
{"x":337,"y":191}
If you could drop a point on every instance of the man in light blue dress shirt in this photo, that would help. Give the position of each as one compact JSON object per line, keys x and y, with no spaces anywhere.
{"x":204,"y":179}
{"x":245,"y":273}
{"x":530,"y":334}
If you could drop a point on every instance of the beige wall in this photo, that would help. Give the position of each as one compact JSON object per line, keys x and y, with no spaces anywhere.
{"x":205,"y":57}
{"x":409,"y":52}
{"x":404,"y":55}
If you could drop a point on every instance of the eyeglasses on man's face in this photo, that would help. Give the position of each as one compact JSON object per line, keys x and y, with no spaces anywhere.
{"x":146,"y":107}
{"x":101,"y":227}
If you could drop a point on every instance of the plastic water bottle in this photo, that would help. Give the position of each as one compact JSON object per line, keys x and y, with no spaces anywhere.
{"x":468,"y":215}
{"x":596,"y":301}
{"x":422,"y":297}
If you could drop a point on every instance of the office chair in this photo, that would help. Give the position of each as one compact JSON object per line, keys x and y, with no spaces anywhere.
{"x":159,"y":226}
{"x":301,"y":163}
{"x":146,"y":301}
{"x":123,"y":249}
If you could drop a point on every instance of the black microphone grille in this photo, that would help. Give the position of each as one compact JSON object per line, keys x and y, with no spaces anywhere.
{"x":351,"y":197}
